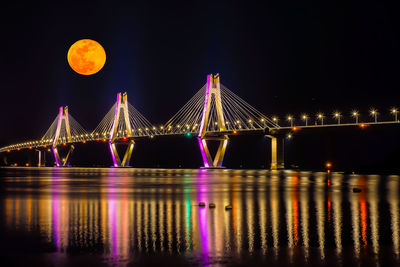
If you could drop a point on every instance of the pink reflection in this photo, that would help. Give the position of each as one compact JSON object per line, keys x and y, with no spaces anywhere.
{"x":202,"y":197}
{"x":56,"y":222}
{"x":56,"y":218}
{"x":112,"y":218}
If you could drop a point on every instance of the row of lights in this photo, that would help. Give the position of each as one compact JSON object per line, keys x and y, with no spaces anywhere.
{"x":337,"y":115}
{"x":104,"y":134}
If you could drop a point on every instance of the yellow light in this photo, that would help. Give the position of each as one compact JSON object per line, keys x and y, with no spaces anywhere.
{"x":320,"y":115}
{"x":394,"y":110}
{"x":250,"y":121}
{"x":373,"y":111}
{"x":355,"y":113}
{"x":262,"y":120}
{"x":290,"y":118}
{"x":275,"y":119}
{"x":305,"y":116}
{"x":328,"y":165}
{"x":237,"y":121}
{"x":337,"y":114}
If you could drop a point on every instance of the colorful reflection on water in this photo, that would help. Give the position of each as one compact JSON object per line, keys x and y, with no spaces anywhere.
{"x":120,"y":216}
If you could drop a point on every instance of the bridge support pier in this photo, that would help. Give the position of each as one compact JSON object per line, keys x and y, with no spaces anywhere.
{"x":41,"y":160}
{"x":277,"y":152}
{"x":62,"y":162}
{"x":127,"y":156}
{"x":206,"y":155}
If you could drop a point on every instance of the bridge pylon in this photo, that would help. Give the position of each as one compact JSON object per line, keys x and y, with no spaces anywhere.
{"x":62,"y":124}
{"x":121,"y":110}
{"x":212,"y":90}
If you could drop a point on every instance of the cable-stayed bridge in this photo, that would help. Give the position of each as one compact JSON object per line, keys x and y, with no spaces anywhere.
{"x":212,"y":114}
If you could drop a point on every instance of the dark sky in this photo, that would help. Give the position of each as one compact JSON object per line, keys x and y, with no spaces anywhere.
{"x":282,"y":57}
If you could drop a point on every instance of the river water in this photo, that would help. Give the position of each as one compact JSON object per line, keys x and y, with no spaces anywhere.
{"x":91,"y":216}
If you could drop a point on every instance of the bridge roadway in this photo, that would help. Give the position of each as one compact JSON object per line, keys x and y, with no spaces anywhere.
{"x":276,"y":134}
{"x":282,"y":130}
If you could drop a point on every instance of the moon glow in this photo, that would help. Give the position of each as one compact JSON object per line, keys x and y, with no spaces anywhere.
{"x":86,"y":57}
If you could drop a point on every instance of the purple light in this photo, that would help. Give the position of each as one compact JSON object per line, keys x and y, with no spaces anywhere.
{"x":205,"y":105}
{"x":114,"y":228}
{"x":112,"y":130}
{"x":112,"y":155}
{"x":60,"y":116}
{"x":201,"y":129}
{"x":116,"y":116}
{"x":56,"y":219}
{"x":203,"y":225}
{"x":55,"y":156}
{"x":203,"y":153}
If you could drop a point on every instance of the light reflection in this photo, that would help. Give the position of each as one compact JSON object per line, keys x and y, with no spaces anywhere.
{"x":393,"y":199}
{"x":355,"y":216}
{"x":305,"y":213}
{"x":118,"y":214}
{"x":319,"y":198}
{"x":337,"y":211}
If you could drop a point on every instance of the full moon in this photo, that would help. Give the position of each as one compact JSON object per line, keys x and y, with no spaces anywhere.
{"x":86,"y":57}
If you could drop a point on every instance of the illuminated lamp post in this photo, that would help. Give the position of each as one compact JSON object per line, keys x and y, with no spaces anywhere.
{"x":355,"y":114}
{"x":320,"y":116}
{"x":374,"y":113}
{"x":290,"y":118}
{"x":337,"y":116}
{"x":305,"y":118}
{"x":394,"y":111}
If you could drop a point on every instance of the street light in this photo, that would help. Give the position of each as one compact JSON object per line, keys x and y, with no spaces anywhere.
{"x":337,"y":116}
{"x":374,"y":113}
{"x":305,"y":118}
{"x":320,"y":116}
{"x":394,"y":111}
{"x":290,"y":118}
{"x":275,"y":119}
{"x":355,"y":114}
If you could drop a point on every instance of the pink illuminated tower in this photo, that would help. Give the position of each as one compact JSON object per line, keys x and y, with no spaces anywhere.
{"x":212,"y":91}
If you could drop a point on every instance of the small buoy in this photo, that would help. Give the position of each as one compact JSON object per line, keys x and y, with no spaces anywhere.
{"x":202,"y":204}
{"x":211,"y":205}
{"x":356,"y":190}
{"x":228,"y":207}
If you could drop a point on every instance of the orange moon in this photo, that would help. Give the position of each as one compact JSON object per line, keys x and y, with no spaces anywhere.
{"x":86,"y":57}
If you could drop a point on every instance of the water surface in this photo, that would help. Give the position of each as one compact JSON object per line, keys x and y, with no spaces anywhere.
{"x":79,"y":216}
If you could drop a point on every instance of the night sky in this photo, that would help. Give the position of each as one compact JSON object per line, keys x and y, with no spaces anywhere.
{"x":281,"y":57}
